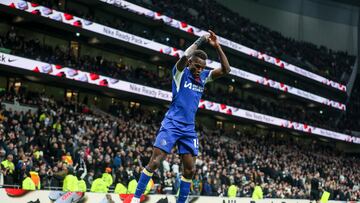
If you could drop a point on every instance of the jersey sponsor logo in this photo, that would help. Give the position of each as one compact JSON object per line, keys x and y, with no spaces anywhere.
{"x":193,"y":87}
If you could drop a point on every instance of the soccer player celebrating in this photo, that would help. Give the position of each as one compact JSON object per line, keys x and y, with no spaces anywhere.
{"x":178,"y":126}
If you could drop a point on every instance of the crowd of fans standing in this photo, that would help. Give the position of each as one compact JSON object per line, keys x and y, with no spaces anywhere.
{"x":65,"y":133}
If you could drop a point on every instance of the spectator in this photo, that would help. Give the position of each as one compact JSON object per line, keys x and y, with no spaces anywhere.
{"x":329,"y":63}
{"x":231,"y":96}
{"x":8,"y":169}
{"x":283,"y":164}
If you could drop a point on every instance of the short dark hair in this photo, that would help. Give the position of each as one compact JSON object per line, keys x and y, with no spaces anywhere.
{"x":199,"y":53}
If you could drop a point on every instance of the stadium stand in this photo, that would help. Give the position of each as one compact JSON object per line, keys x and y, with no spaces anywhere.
{"x":227,"y":23}
{"x":321,"y":60}
{"x":62,"y":55}
{"x":283,"y":166}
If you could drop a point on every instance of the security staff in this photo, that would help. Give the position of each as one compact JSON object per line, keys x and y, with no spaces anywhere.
{"x":28,"y":183}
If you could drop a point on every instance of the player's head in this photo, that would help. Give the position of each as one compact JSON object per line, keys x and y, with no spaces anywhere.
{"x":197,"y":62}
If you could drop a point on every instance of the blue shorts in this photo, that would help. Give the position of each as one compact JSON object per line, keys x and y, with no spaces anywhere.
{"x":172,"y":132}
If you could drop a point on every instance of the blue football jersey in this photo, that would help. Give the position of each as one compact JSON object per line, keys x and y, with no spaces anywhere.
{"x":187,"y":91}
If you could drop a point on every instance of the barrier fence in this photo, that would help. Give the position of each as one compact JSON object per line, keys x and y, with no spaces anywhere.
{"x":47,"y":196}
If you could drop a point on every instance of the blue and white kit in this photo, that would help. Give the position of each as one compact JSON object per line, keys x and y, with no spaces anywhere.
{"x":178,"y":126}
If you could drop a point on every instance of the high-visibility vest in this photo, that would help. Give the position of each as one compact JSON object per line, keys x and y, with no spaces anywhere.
{"x":99,"y":185}
{"x":37,"y":154}
{"x":42,"y":117}
{"x":120,"y":189}
{"x":28,"y":184}
{"x":257,"y":194}
{"x":149,"y":186}
{"x":8,"y":165}
{"x":5,"y":163}
{"x":57,"y":127}
{"x":232,"y":191}
{"x":132,"y":187}
{"x":36,"y":179}
{"x":82,"y":186}
{"x":70,"y":183}
{"x":107,"y":178}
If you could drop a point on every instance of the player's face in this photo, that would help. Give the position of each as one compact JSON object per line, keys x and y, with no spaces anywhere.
{"x":196,"y":65}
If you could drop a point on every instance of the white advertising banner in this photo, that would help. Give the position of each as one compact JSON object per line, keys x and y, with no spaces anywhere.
{"x":225,"y":42}
{"x":148,"y":44}
{"x":47,"y":196}
{"x":95,"y":79}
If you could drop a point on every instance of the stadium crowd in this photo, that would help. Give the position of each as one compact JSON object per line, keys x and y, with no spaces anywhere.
{"x":65,"y":133}
{"x":227,"y":23}
{"x":350,"y":119}
{"x":336,"y":65}
{"x":33,"y":48}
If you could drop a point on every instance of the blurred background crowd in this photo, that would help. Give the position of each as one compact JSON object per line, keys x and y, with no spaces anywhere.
{"x":65,"y":133}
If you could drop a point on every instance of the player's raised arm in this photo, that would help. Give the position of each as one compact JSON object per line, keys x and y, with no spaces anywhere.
{"x":225,"y":67}
{"x":182,"y":62}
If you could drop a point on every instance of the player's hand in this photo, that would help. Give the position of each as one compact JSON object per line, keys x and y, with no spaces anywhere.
{"x":213,"y":40}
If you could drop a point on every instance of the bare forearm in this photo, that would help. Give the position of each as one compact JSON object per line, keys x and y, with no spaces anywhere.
{"x":225,"y":66}
{"x":181,"y":63}
{"x":190,"y":50}
{"x":201,"y":40}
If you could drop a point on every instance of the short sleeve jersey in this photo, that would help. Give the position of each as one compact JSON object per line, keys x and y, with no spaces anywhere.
{"x":187,"y":91}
